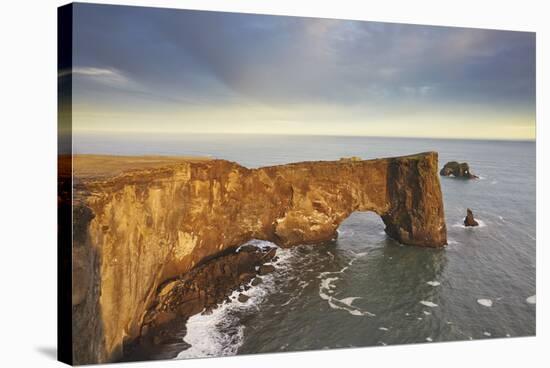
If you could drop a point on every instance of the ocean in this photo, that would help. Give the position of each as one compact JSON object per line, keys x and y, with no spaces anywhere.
{"x":365,"y":289}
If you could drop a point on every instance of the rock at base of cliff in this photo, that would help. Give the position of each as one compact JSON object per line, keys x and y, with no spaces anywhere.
{"x":265,"y":269}
{"x":458,"y":170}
{"x":469,"y":219}
{"x":198,"y":291}
{"x":256,"y":281}
{"x":243,"y":298}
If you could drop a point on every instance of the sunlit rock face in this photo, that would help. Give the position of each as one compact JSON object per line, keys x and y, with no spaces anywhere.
{"x":138,"y":225}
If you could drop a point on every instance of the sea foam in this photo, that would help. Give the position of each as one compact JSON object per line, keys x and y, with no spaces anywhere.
{"x":220,"y":333}
{"x":485,"y":302}
{"x":327,"y":284}
{"x":428,"y":303}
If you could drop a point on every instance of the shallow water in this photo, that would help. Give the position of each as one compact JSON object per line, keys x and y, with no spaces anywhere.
{"x":366,"y":289}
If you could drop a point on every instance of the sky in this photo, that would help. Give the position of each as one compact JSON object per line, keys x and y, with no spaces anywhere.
{"x":149,"y":70}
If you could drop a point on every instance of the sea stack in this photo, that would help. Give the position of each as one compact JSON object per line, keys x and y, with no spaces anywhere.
{"x":469,"y":219}
{"x":458,"y":170}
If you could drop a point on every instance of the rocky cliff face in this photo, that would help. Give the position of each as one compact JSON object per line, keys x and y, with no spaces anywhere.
{"x":136,"y":228}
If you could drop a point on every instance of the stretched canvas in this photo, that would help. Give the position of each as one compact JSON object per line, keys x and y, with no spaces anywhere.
{"x":241,"y":183}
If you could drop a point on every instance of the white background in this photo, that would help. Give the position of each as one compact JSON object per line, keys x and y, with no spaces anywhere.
{"x":28,"y":83}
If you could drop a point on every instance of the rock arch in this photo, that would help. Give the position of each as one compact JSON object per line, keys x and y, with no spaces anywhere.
{"x":149,"y":223}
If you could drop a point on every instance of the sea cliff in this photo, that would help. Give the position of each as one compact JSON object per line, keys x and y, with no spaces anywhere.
{"x":138,"y":222}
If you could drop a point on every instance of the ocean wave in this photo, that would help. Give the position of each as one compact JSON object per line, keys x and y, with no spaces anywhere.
{"x":204,"y":334}
{"x":260,"y":244}
{"x":485,"y":302}
{"x":345,"y":233}
{"x":220,"y":333}
{"x":327,"y":285}
{"x":428,"y":303}
{"x":433,"y":283}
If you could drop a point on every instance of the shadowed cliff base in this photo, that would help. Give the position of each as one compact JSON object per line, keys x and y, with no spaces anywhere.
{"x":138,"y":225}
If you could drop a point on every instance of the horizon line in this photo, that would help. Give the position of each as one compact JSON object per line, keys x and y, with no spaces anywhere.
{"x":104,"y":132}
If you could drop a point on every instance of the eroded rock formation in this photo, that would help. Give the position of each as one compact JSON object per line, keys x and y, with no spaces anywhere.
{"x":469,"y":220}
{"x":458,"y":170}
{"x":196,"y":291}
{"x":139,"y":224}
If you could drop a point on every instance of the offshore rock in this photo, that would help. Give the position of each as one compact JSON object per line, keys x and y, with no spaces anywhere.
{"x":469,"y":219}
{"x":141,"y":221}
{"x":458,"y":170}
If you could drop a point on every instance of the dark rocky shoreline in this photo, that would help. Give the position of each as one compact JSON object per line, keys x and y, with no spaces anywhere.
{"x":198,"y":291}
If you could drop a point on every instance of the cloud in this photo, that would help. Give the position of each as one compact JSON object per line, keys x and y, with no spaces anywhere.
{"x":102,"y":75}
{"x":148,"y":58}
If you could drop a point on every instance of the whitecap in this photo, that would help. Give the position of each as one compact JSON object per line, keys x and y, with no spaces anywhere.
{"x":220,"y":333}
{"x":427,"y":313}
{"x":260,"y":244}
{"x":205,"y":337}
{"x":429,"y":339}
{"x":335,"y":303}
{"x":428,"y":303}
{"x":485,"y":302}
{"x":532,"y":299}
{"x":487,"y":333}
{"x":383,"y":328}
{"x":433,"y":283}
{"x":327,"y":284}
{"x":348,"y":301}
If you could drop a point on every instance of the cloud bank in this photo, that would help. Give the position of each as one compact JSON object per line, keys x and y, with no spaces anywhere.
{"x":140,"y":69}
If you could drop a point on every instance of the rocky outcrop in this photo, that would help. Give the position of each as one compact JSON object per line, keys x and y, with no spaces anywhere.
{"x":469,"y":219}
{"x":196,"y":291}
{"x":458,"y":170}
{"x":136,"y":228}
